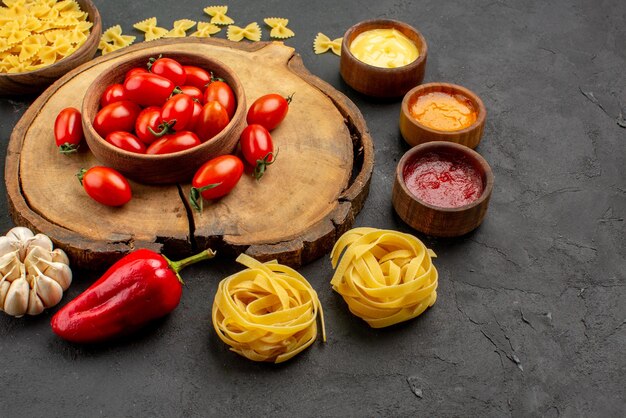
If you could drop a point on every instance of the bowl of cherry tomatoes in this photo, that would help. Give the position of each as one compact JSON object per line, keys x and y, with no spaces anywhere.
{"x":157,"y":119}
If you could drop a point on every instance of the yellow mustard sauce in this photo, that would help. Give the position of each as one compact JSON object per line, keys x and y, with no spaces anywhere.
{"x":443,"y":111}
{"x":385,"y":48}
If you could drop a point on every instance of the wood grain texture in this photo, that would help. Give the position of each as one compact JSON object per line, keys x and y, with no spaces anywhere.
{"x":38,"y":80}
{"x":414,"y":133}
{"x":382,"y":82}
{"x":166,"y":168}
{"x":307,"y":198}
{"x":434,"y":220}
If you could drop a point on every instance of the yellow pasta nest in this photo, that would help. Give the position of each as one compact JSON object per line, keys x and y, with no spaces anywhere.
{"x":35,"y":34}
{"x":267,"y":312}
{"x":385,"y":277}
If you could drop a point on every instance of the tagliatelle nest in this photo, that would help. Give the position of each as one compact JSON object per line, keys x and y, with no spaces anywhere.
{"x":267,"y":312}
{"x":33,"y":274}
{"x":385,"y":277}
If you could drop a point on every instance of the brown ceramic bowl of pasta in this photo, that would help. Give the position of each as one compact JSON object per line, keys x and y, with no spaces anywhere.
{"x":35,"y":80}
{"x":394,"y":73}
{"x":169,"y":168}
{"x":442,"y":112}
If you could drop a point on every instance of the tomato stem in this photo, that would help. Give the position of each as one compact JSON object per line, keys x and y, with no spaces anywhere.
{"x":166,"y":128}
{"x":195,"y":195}
{"x":152,"y":60}
{"x":261,"y":164}
{"x":214,"y":79}
{"x":68,"y":148}
{"x":81,"y":174}
{"x":290,"y":98}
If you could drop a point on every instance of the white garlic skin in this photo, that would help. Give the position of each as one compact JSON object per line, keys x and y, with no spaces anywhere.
{"x":33,"y":275}
{"x":16,"y":301}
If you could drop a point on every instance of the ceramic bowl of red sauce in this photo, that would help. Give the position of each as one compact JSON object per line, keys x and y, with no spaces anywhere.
{"x":442,"y":188}
{"x":442,"y":112}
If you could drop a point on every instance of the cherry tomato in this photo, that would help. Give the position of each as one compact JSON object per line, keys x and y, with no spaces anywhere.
{"x":197,"y":77}
{"x":212,"y":120}
{"x":150,"y":118}
{"x":193,"y":92}
{"x":105,"y":185}
{"x":257,"y":148}
{"x":126,"y":141}
{"x":221,"y":92}
{"x":68,"y":130}
{"x":268,"y":110}
{"x":136,"y":70}
{"x":216,"y":178}
{"x":148,"y":89}
{"x":118,"y":116}
{"x":175,"y":142}
{"x":113,"y":93}
{"x":178,"y":112}
{"x":197,"y":111}
{"x":168,"y":68}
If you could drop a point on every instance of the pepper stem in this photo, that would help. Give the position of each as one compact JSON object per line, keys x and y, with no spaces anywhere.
{"x":177,"y":266}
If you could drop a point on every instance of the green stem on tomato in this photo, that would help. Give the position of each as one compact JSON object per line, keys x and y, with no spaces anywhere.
{"x":81,"y":174}
{"x":177,"y":266}
{"x":195,"y":195}
{"x":262,"y":164}
{"x":166,"y":128}
{"x":68,"y":148}
{"x":152,"y":60}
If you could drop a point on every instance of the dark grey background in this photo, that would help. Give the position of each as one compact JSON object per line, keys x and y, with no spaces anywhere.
{"x":531,"y":309}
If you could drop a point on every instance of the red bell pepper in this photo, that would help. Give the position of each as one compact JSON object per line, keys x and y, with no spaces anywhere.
{"x":140,"y":287}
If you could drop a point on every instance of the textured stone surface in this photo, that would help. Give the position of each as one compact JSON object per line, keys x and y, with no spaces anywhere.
{"x":530,"y":316}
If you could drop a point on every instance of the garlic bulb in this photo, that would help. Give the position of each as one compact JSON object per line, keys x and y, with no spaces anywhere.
{"x":33,"y":274}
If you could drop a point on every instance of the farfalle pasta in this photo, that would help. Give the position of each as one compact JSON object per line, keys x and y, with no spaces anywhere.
{"x":205,"y":30}
{"x":267,"y":312}
{"x":279,"y":27}
{"x":252,"y":32}
{"x":180,"y":28}
{"x":112,"y":40}
{"x":385,"y":276}
{"x":35,"y":34}
{"x":150,"y":29}
{"x":218,"y":15}
{"x":322,"y":43}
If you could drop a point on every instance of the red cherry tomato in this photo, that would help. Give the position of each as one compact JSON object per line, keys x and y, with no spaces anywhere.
{"x":118,"y":116}
{"x":193,"y":92}
{"x":168,"y":68}
{"x":197,"y":77}
{"x":68,"y":130}
{"x":113,"y":93}
{"x":257,"y":148}
{"x":150,"y":118}
{"x":177,"y":112}
{"x":212,"y":120}
{"x":197,"y":111}
{"x":268,"y":110}
{"x":148,"y":89}
{"x":133,"y":71}
{"x":216,"y":178}
{"x":178,"y":141}
{"x":221,"y":92}
{"x":105,"y":185}
{"x":126,"y":141}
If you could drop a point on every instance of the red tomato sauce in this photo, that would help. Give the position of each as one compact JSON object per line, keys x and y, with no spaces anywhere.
{"x":443,"y":180}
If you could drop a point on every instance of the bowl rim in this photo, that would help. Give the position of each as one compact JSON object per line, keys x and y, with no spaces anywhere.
{"x":88,"y":124}
{"x":449,"y":147}
{"x":358,"y":28}
{"x":96,"y":19}
{"x":417,"y":90}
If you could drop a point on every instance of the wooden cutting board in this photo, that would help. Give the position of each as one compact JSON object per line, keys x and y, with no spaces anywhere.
{"x":307,"y":198}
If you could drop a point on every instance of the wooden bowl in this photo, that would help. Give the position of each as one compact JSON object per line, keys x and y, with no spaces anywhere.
{"x":165,"y":168}
{"x":376,"y":81}
{"x":414,"y":133}
{"x":36,"y":81}
{"x":434,"y":220}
